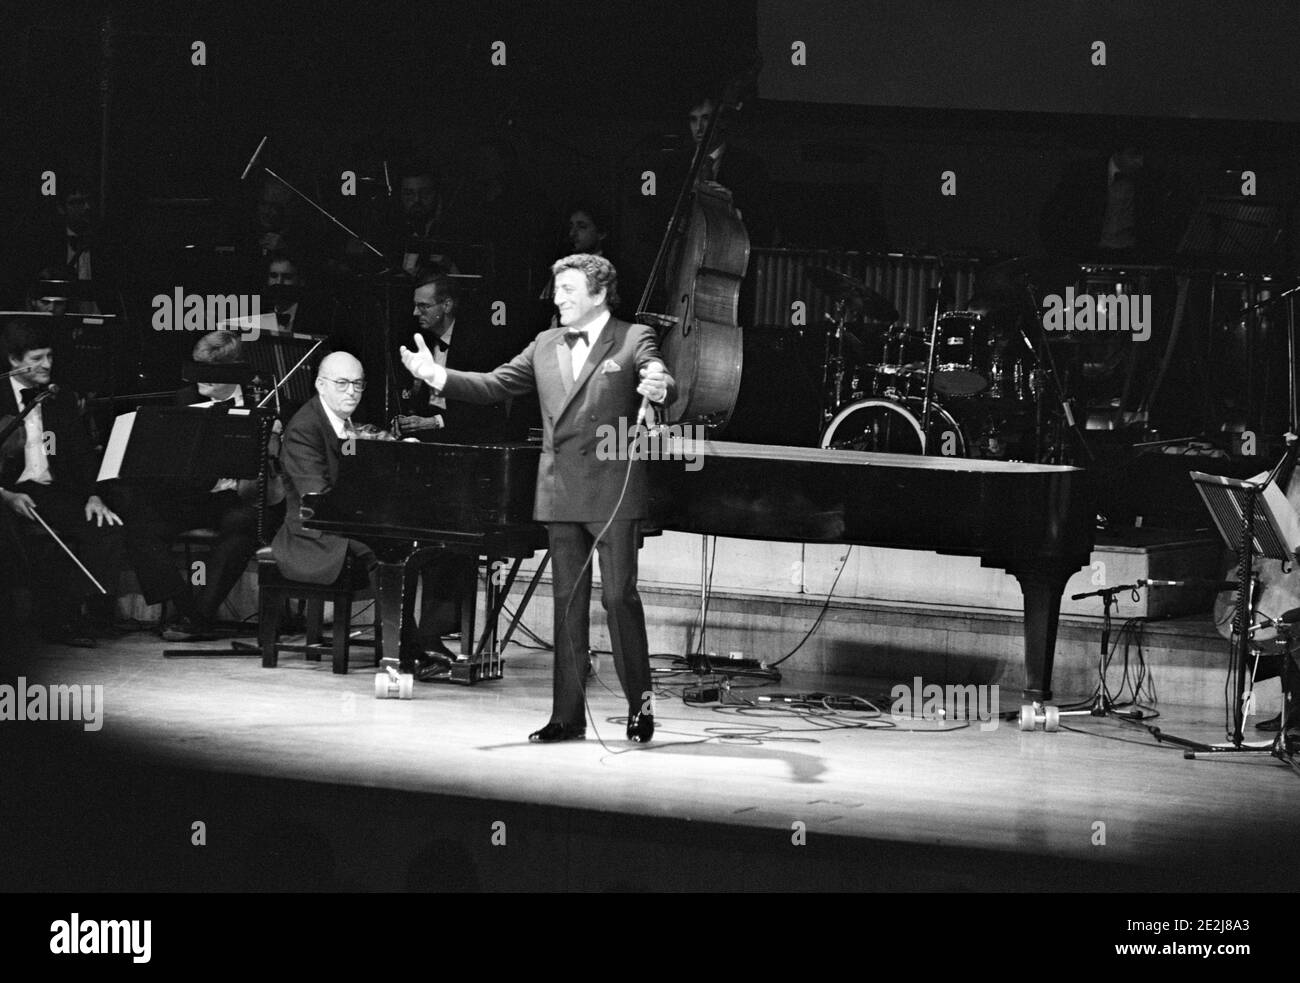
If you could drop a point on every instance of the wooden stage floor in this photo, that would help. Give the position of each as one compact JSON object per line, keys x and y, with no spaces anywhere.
{"x":301,"y":779}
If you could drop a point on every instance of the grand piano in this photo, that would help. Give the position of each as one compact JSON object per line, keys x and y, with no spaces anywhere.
{"x":1034,"y":521}
{"x":404,"y":500}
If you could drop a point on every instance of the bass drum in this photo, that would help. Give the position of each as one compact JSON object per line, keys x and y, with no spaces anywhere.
{"x":893,"y":427}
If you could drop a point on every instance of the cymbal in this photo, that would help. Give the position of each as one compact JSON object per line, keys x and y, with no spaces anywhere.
{"x":862,"y":298}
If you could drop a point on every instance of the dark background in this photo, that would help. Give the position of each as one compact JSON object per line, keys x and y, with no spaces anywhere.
{"x":856,"y":142}
{"x":590,"y":89}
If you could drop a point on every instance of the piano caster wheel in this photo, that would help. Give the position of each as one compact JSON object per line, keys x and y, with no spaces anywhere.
{"x":392,"y":685}
{"x":1030,"y":717}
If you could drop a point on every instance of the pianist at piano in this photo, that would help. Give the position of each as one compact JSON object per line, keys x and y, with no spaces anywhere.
{"x":310,"y":453}
{"x":589,"y":372}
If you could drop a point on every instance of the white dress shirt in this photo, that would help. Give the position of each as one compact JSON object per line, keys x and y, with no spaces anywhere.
{"x":36,"y":463}
{"x":340,"y":425}
{"x":581,"y":349}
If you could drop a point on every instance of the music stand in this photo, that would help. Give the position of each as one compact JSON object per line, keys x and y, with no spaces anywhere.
{"x":1235,"y":506}
{"x":191,"y":444}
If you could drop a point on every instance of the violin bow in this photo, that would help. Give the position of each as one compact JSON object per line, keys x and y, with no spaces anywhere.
{"x":55,"y":536}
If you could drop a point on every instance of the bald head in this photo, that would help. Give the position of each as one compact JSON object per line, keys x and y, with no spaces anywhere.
{"x":335,"y":368}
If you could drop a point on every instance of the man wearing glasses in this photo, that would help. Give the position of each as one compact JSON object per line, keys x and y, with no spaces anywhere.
{"x":310,"y":451}
{"x":456,"y":343}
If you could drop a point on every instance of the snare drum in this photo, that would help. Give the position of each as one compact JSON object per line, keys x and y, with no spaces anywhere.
{"x":962,"y":354}
{"x":893,"y":427}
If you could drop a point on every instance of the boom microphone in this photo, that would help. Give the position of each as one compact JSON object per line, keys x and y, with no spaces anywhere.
{"x":253,"y":160}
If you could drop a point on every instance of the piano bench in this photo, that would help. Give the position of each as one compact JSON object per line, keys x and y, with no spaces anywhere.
{"x":274,"y":589}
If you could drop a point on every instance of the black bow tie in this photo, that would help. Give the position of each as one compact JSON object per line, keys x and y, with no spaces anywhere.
{"x":442,"y":345}
{"x":28,"y":395}
{"x":572,"y":337}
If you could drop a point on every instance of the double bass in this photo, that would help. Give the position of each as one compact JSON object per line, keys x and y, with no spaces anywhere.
{"x":700,"y":264}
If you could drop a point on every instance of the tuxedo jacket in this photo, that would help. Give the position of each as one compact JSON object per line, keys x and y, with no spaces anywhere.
{"x":463,"y":422}
{"x":578,"y":480}
{"x":310,"y":452}
{"x":73,"y":463}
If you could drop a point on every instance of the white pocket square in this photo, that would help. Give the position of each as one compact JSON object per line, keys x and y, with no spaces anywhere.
{"x":610,"y":366}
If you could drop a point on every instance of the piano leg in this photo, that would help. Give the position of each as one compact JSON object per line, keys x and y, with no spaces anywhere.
{"x":1042,"y":587}
{"x":390,"y":578}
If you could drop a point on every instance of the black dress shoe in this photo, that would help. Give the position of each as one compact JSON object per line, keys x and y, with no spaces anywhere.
{"x":641,"y":728}
{"x":554,"y":732}
{"x":188,"y":630}
{"x":430,"y":666}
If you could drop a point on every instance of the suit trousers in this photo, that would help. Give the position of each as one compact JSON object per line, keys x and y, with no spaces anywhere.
{"x":570,"y":542}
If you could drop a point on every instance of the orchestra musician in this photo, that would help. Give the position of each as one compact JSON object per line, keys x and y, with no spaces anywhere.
{"x":48,"y":468}
{"x":590,"y":373}
{"x":157,"y":512}
{"x":738,"y":170}
{"x":457,"y":343}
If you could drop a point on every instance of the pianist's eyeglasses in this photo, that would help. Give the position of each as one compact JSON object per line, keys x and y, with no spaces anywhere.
{"x":341,"y":385}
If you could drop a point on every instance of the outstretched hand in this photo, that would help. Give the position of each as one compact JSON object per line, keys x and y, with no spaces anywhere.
{"x":420,"y":362}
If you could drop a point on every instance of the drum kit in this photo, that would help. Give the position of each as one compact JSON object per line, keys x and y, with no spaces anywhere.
{"x":976,"y":367}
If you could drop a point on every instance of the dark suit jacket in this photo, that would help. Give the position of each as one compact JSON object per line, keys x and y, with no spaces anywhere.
{"x":309,"y":456}
{"x":464,"y":423}
{"x":579,"y":417}
{"x":73,"y":463}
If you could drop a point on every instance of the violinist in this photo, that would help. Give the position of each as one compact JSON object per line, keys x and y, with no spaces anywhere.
{"x":48,"y":469}
{"x":158,"y":512}
{"x":311,"y":451}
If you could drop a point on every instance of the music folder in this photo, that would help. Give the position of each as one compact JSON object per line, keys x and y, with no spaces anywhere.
{"x":182,"y":443}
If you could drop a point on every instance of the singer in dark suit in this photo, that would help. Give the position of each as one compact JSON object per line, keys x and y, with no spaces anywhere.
{"x":590,"y":374}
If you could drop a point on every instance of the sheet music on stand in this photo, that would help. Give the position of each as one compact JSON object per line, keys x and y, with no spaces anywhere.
{"x":1276,"y":530}
{"x":182,"y":443}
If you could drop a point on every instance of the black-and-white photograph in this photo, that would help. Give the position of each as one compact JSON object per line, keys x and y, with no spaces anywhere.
{"x":644,"y":448}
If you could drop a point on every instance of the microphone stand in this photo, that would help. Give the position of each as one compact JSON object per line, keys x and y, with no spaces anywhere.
{"x":366,"y":243}
{"x":1101,"y":702}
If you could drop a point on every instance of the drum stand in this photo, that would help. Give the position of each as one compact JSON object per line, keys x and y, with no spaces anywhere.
{"x":1047,"y":365}
{"x":833,"y":373}
{"x":928,"y":401}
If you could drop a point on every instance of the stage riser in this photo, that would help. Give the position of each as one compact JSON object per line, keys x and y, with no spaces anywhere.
{"x":792,"y":570}
{"x":940,"y":645}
